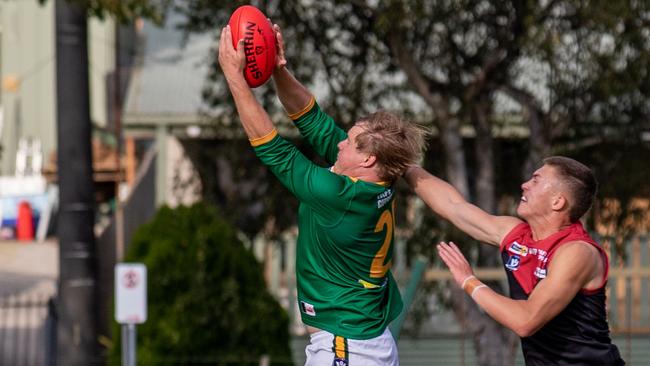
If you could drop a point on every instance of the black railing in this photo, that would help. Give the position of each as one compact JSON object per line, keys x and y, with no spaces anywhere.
{"x":27,"y":330}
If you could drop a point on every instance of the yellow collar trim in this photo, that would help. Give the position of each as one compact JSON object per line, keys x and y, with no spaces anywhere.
{"x":384,"y":184}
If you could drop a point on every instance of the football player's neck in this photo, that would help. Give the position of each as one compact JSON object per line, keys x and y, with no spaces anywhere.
{"x":361,"y":173}
{"x":544,"y":226}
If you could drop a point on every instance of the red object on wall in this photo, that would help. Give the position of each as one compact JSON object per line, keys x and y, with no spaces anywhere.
{"x":24,"y":222}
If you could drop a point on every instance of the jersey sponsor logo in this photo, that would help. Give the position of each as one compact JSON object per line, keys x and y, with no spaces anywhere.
{"x":540,"y":272}
{"x":541,"y":255}
{"x":307,"y":308}
{"x":513,"y":262}
{"x":384,"y":197}
{"x":518,"y":249}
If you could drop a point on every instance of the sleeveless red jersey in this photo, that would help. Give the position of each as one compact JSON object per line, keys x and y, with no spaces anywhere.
{"x":579,"y":334}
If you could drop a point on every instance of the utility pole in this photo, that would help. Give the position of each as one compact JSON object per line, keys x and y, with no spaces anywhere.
{"x":77,"y":294}
{"x":117,"y":115}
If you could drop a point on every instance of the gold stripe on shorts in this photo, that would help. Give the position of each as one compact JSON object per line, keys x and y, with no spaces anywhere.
{"x":340,"y":347}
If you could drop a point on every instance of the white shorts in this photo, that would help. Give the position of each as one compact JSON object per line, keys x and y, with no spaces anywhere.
{"x":326,"y":349}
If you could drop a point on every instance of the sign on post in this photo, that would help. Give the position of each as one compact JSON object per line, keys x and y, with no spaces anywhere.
{"x":130,"y":293}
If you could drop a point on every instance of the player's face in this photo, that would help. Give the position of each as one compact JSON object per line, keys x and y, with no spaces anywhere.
{"x":349,"y":157}
{"x":538,"y":193}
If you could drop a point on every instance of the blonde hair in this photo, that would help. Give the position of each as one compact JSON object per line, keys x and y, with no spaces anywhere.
{"x":394,"y":141}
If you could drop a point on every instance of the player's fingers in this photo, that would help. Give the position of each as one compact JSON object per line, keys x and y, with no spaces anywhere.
{"x":446,"y":255}
{"x":443,"y":249}
{"x":223,"y":46}
{"x":449,"y":252}
{"x":454,"y":247}
{"x":240,"y":48}
{"x":457,"y":253}
{"x":222,"y":36}
{"x":455,"y":268}
{"x":280,"y":45}
{"x":443,"y":255}
{"x":278,"y":37}
{"x":226,"y":39}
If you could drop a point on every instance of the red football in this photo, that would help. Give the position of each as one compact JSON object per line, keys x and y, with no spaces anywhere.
{"x":249,"y":23}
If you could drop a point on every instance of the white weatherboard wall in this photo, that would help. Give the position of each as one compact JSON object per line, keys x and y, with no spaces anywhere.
{"x":27,"y":56}
{"x":28,"y":75}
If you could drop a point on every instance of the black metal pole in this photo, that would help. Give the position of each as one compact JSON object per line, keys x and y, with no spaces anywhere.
{"x":77,"y":299}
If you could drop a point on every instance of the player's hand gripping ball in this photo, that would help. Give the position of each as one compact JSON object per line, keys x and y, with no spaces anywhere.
{"x":249,"y":23}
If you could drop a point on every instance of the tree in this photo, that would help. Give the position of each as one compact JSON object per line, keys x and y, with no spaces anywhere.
{"x":573,"y":73}
{"x":206,"y":295}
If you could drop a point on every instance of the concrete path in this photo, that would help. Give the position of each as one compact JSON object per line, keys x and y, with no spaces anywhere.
{"x":28,"y":276}
{"x":28,"y":267}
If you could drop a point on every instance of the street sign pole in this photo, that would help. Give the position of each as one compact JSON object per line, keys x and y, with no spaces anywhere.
{"x":129,"y":349}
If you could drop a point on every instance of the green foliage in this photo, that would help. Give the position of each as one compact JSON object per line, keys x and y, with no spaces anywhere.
{"x":581,"y":65}
{"x":207,"y":301}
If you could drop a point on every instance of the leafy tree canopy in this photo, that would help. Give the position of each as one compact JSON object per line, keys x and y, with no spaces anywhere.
{"x":582,"y":64}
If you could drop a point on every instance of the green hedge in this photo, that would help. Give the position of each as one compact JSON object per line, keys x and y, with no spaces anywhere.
{"x":207,"y":300}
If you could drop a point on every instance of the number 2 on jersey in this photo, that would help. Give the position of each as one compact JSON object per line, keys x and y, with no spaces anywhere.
{"x":378,"y":268}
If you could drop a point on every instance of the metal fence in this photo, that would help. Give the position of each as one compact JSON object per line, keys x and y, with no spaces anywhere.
{"x":27,"y":330}
{"x":628,"y":286}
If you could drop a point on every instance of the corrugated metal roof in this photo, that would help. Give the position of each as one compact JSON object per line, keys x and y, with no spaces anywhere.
{"x":169,"y":74}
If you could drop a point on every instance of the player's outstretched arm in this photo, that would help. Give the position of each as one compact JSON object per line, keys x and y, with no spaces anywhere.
{"x":292,"y":94}
{"x":319,"y":129}
{"x":573,"y":267}
{"x":254,"y":119}
{"x":447,"y":202}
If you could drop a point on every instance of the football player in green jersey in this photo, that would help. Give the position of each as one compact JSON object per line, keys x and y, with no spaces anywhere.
{"x":346,"y":292}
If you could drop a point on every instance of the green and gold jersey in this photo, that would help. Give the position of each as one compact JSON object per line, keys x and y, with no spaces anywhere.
{"x":345,"y":240}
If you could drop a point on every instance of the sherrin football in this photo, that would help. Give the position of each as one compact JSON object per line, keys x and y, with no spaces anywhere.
{"x":249,"y":23}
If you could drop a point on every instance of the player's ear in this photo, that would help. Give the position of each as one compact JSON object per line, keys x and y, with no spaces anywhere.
{"x":559,"y":202}
{"x":370,"y":161}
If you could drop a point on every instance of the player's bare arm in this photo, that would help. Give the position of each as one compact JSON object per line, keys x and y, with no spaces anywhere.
{"x":448,"y":203}
{"x":254,"y":118}
{"x":292,"y":94}
{"x":574,"y":266}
